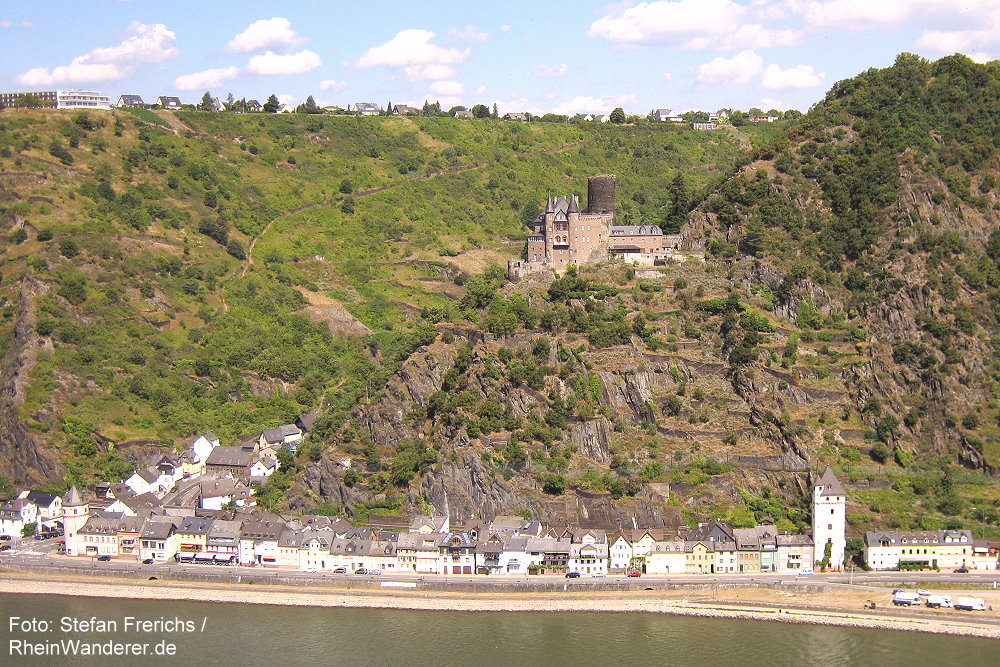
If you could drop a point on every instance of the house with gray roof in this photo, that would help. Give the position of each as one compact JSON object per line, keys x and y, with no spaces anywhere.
{"x":130,"y":101}
{"x":168,"y":102}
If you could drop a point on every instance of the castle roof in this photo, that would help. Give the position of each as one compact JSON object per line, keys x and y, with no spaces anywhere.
{"x":829,"y":485}
{"x":73,"y":499}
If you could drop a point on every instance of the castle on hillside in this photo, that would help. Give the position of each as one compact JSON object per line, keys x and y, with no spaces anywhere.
{"x":564,"y":234}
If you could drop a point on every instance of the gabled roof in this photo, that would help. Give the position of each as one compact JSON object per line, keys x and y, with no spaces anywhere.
{"x":130,"y":100}
{"x":195,"y":525}
{"x":149,"y":474}
{"x":829,"y":485}
{"x":41,"y":498}
{"x":230,"y":456}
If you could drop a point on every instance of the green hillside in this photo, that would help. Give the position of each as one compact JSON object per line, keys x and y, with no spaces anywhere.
{"x":130,"y":235}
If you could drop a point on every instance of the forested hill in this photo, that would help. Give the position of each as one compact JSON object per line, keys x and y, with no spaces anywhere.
{"x":135,"y":314}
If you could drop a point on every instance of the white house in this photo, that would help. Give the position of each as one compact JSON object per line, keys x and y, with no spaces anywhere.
{"x":15,"y":515}
{"x":620,"y":553}
{"x":667,"y":557}
{"x":203,"y":445}
{"x":588,"y":558}
{"x":263,"y":467}
{"x":49,"y":505}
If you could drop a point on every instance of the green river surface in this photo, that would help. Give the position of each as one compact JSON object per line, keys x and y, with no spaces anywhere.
{"x":238,"y":634}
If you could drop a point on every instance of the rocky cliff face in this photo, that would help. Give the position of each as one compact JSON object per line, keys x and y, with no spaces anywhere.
{"x":22,"y":459}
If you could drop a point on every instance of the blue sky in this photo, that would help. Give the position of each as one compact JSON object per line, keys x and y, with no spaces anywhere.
{"x":561,"y":56}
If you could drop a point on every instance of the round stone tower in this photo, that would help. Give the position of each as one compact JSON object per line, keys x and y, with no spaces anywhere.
{"x":601,"y":194}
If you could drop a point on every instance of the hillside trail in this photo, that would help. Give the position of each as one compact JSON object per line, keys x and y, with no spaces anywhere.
{"x":373,"y":191}
{"x":176,"y":124}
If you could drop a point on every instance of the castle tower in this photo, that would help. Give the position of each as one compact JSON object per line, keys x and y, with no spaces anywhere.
{"x":829,"y":519}
{"x":76,"y":511}
{"x":601,"y":196}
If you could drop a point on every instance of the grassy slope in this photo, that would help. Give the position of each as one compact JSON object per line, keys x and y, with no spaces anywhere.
{"x":150,"y":331}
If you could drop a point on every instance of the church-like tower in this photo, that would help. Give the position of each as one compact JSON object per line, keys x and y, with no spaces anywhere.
{"x":829,"y":519}
{"x":76,"y":511}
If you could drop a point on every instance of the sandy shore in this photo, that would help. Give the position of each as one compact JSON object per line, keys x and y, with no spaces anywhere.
{"x":758,"y":603}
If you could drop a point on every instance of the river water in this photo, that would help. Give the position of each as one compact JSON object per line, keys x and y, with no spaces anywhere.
{"x":227,"y":634}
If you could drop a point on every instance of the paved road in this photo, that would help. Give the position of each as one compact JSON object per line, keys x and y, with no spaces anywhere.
{"x":41,"y":553}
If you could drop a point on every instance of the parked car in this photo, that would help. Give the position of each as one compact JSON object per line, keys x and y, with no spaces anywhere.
{"x":635,"y":573}
{"x":806,"y":571}
{"x":936,"y":601}
{"x":572,"y":575}
{"x":5,"y":538}
{"x":5,"y":547}
{"x":962,"y":570}
{"x":148,"y":561}
{"x":340,"y":570}
{"x":897,"y":590}
{"x":361,"y":570}
{"x":906,"y":599}
{"x":104,"y":558}
{"x":922,"y":593}
{"x":375,"y":573}
{"x":309,"y":570}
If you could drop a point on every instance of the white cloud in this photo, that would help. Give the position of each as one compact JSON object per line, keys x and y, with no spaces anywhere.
{"x":668,"y":76}
{"x":410,"y":47}
{"x":5,"y":24}
{"x":767,"y":103}
{"x":144,"y":44}
{"x":555,"y":69}
{"x":469,"y":33}
{"x":332,"y":84}
{"x":756,"y":36}
{"x":480,"y":90}
{"x":447,"y":88}
{"x":802,"y":76}
{"x":288,"y":100}
{"x":423,"y":72}
{"x":75,"y":72}
{"x":665,"y":21}
{"x":506,"y":28}
{"x":273,"y":34}
{"x":739,"y":69}
{"x":860,"y":14}
{"x":27,"y":24}
{"x":291,"y":63}
{"x":591,"y":104}
{"x":210,"y":78}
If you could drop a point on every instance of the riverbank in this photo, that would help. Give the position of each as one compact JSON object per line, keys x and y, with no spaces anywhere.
{"x":766,"y":604}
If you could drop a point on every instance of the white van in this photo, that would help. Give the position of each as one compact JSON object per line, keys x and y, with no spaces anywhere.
{"x":970,"y":604}
{"x":908,"y":599}
{"x":938,"y":601}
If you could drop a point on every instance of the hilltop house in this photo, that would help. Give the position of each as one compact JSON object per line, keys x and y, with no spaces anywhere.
{"x":367,"y":109}
{"x":130,"y":101}
{"x":167,"y":102}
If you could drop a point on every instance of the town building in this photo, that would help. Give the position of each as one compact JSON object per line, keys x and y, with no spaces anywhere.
{"x":34,"y":98}
{"x":919,"y":550}
{"x":829,"y":519}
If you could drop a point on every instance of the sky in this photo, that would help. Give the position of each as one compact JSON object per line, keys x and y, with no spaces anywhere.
{"x":560,"y":56}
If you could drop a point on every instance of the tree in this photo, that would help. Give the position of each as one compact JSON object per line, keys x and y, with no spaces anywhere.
{"x":207,"y":103}
{"x":272,"y":104}
{"x":618,"y":116}
{"x":495,"y":110}
{"x":309,"y":106}
{"x":481,"y":111}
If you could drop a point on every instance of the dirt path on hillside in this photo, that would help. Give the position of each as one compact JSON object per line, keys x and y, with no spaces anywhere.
{"x":176,"y":125}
